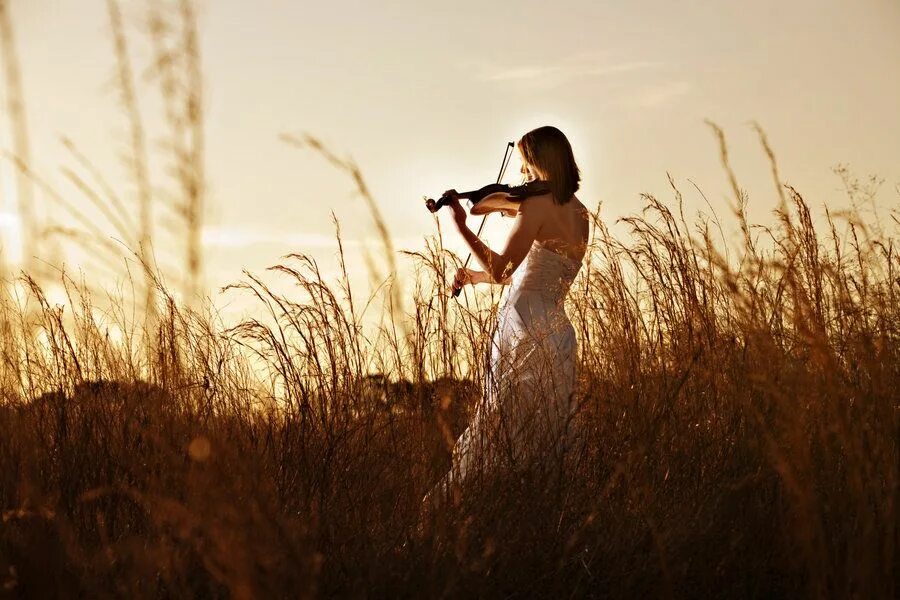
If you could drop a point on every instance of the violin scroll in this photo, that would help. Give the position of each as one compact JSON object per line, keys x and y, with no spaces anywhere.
{"x":445,"y":199}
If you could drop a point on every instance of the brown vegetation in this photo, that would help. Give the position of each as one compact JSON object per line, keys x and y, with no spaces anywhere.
{"x":737,"y":432}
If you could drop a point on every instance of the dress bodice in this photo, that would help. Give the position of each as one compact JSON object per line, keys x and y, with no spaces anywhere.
{"x":546,"y":272}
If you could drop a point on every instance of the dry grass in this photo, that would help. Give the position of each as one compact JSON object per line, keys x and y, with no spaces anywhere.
{"x":737,"y":432}
{"x":15,"y":106}
{"x":739,"y":421}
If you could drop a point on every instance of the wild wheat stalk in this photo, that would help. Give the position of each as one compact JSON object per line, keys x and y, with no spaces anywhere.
{"x":21,"y":145}
{"x":177,"y":64}
{"x":194,"y":183}
{"x":137,"y":161}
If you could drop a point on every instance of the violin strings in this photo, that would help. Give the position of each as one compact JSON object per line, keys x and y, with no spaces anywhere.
{"x":507,"y":156}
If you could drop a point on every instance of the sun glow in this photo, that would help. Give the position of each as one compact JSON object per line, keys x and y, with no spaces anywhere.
{"x":10,"y":237}
{"x":11,"y":242}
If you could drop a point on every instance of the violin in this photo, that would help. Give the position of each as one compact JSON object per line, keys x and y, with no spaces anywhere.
{"x":494,"y":197}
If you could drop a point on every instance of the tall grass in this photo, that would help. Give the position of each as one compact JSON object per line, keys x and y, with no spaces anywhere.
{"x":138,"y":158}
{"x":174,"y":207}
{"x":738,"y":430}
{"x":18,"y":122}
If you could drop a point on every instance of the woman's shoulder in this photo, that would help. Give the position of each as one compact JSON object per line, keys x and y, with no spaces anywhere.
{"x":548,"y":202}
{"x":538,"y":202}
{"x":534,"y":207}
{"x":578,"y":203}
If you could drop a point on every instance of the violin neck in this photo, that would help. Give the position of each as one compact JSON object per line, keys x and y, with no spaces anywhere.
{"x":478,"y":195}
{"x":473,"y":195}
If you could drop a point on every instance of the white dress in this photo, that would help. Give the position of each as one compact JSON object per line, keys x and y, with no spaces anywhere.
{"x":527,"y":404}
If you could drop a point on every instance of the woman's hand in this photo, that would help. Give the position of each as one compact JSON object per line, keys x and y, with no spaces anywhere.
{"x":468,"y":277}
{"x":459,"y":213}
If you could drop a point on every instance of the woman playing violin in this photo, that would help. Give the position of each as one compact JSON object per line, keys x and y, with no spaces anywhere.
{"x":531,"y":377}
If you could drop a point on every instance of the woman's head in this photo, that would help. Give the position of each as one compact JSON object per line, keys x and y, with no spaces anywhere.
{"x":547,"y":154}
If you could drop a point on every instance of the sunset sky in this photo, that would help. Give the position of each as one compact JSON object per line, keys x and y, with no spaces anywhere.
{"x":425,"y":95}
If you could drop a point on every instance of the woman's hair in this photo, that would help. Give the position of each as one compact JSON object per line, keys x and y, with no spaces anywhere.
{"x":547,"y":151}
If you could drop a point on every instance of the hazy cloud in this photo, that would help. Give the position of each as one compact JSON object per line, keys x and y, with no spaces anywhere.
{"x":233,"y":237}
{"x":242,"y":237}
{"x":564,"y":70}
{"x":646,"y":95}
{"x":657,"y":95}
{"x":559,"y":72}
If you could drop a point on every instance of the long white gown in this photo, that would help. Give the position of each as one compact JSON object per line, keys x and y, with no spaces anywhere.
{"x":527,"y":404}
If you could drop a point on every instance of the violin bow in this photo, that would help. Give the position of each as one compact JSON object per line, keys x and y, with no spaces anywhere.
{"x":507,"y":155}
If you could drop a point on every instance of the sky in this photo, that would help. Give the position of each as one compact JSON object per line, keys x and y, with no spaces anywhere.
{"x":423,"y":96}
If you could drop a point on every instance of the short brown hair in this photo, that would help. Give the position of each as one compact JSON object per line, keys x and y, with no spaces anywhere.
{"x":548,"y":151}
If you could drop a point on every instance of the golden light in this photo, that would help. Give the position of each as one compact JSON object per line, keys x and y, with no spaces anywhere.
{"x":10,"y":237}
{"x":11,"y":242}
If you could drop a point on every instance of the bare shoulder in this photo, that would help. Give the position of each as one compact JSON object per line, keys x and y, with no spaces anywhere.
{"x":536,"y":205}
{"x":579,"y":206}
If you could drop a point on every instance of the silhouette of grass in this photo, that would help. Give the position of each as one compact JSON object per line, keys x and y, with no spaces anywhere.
{"x":737,"y":433}
{"x":737,"y":430}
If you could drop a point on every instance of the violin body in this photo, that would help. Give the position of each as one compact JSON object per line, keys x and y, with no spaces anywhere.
{"x":494,"y":197}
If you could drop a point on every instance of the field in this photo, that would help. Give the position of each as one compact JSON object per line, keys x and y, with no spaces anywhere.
{"x":738,"y":430}
{"x":740,"y":435}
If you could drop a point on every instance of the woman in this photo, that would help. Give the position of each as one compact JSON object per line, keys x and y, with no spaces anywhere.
{"x":531,"y":374}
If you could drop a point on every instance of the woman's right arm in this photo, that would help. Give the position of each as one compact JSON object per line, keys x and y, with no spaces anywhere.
{"x":473,"y":277}
{"x":483,"y":277}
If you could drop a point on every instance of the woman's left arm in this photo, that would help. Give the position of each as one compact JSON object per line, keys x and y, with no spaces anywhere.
{"x":500,"y":266}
